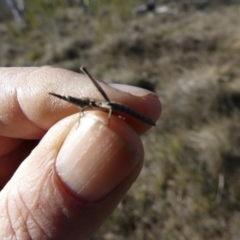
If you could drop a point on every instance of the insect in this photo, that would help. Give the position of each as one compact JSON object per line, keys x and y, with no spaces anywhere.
{"x":105,"y":105}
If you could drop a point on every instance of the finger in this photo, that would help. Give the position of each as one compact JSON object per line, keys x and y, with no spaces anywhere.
{"x":12,"y":153}
{"x":72,"y":181}
{"x":28,"y":111}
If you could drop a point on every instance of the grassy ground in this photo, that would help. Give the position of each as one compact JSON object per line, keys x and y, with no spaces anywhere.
{"x":189,"y":186}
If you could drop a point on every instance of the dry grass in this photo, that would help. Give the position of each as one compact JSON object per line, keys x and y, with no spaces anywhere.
{"x":189,"y":186}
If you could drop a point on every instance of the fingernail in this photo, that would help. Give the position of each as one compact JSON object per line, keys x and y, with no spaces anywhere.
{"x":136,"y":91}
{"x":93,"y":160}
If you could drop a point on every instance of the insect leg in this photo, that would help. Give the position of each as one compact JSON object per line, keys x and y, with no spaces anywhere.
{"x":109,"y":115}
{"x":81,"y":114}
{"x":85,"y":71}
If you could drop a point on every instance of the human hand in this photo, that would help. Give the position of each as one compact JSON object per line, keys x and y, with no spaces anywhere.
{"x":67,"y":178}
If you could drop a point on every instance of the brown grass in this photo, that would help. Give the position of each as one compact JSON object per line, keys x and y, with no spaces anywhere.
{"x":189,"y":186}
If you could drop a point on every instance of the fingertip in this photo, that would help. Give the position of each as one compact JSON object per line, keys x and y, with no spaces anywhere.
{"x":108,"y":155}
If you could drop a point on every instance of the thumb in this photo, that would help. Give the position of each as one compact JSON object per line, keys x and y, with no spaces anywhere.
{"x":72,"y":180}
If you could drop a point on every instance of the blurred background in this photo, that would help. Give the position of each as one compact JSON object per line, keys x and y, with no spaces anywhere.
{"x":188,"y":52}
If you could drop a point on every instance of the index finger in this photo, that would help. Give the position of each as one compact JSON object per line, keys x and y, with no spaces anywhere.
{"x":28,"y":111}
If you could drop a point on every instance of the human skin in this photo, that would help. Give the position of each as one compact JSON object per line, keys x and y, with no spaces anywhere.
{"x":61,"y":177}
